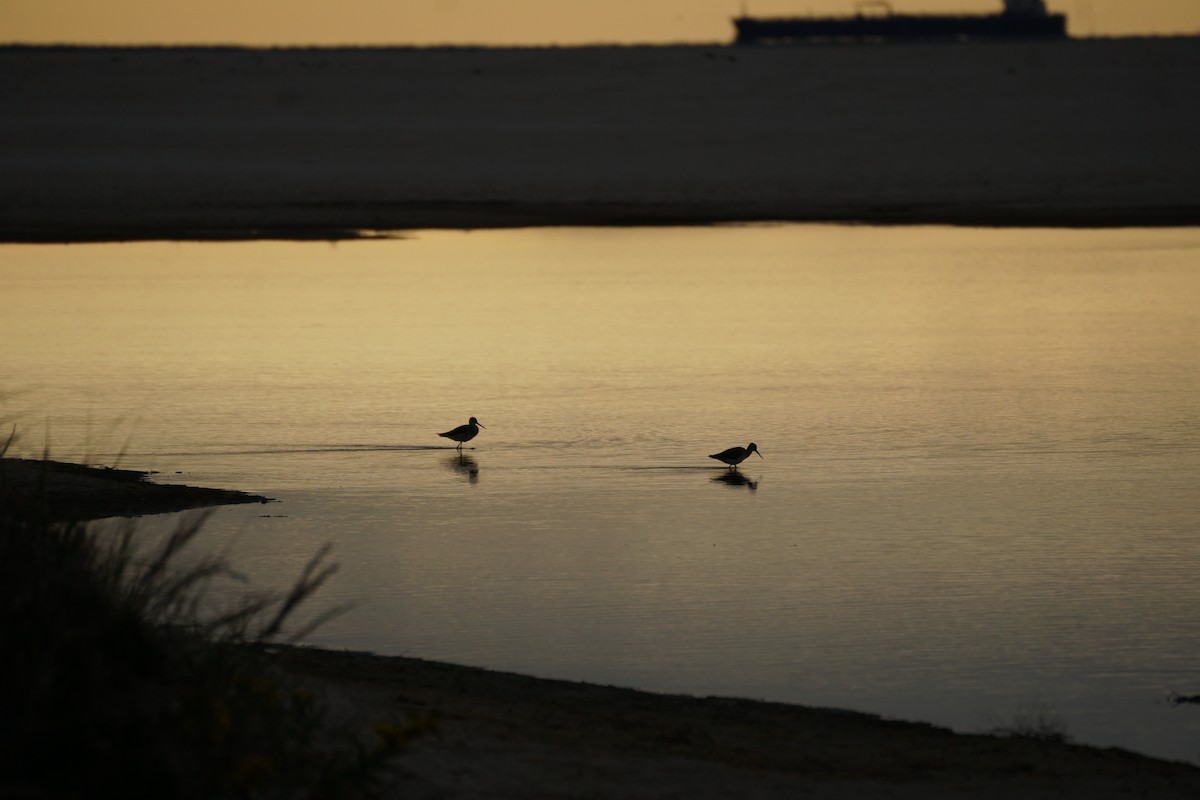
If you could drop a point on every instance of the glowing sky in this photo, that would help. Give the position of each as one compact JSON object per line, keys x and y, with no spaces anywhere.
{"x":529,"y":22}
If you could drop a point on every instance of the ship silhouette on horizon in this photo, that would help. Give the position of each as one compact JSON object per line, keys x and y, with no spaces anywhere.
{"x":875,"y":21}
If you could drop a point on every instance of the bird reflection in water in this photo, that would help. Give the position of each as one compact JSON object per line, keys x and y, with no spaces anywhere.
{"x":465,"y":465}
{"x":734,"y":478}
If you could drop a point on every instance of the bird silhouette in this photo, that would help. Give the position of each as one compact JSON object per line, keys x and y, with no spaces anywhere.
{"x":736,"y":455}
{"x":463,"y":433}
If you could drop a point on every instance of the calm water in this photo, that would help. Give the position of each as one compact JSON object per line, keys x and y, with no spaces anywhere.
{"x":978,"y":497}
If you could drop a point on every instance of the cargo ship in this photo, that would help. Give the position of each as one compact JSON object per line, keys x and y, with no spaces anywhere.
{"x":875,"y":21}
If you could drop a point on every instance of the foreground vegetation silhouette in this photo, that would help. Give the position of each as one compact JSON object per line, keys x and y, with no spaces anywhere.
{"x":124,"y":683}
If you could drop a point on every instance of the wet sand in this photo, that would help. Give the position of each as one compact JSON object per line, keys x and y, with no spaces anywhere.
{"x":503,"y":735}
{"x":225,"y":143}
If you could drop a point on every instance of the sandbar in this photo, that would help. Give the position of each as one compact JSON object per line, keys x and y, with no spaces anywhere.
{"x":104,"y":144}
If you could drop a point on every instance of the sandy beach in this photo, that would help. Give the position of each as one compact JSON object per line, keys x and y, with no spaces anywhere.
{"x":223,"y":143}
{"x":503,"y":735}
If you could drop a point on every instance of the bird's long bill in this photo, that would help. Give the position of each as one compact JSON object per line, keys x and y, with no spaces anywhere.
{"x":760,"y":455}
{"x":477,"y":423}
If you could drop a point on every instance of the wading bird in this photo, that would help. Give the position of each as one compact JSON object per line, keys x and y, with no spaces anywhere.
{"x":463,"y":433}
{"x":736,"y":455}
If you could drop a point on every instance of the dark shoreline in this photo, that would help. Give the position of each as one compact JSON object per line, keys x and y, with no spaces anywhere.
{"x":501,"y":734}
{"x":386,"y":224}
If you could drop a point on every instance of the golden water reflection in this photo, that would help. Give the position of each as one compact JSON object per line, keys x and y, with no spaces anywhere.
{"x":982,"y":448}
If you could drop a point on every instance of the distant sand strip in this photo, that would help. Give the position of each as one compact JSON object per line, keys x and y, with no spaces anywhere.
{"x":228,"y":143}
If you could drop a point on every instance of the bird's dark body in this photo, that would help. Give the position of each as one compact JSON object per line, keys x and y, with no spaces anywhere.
{"x":736,"y":455}
{"x":463,"y":433}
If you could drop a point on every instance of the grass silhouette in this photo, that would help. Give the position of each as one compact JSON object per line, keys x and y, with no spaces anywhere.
{"x":121,"y":684}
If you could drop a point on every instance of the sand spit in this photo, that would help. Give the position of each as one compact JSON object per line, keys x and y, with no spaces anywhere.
{"x":227,"y":143}
{"x":75,"y":492}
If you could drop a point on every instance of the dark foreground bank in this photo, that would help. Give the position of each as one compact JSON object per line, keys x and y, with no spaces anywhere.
{"x":503,"y":735}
